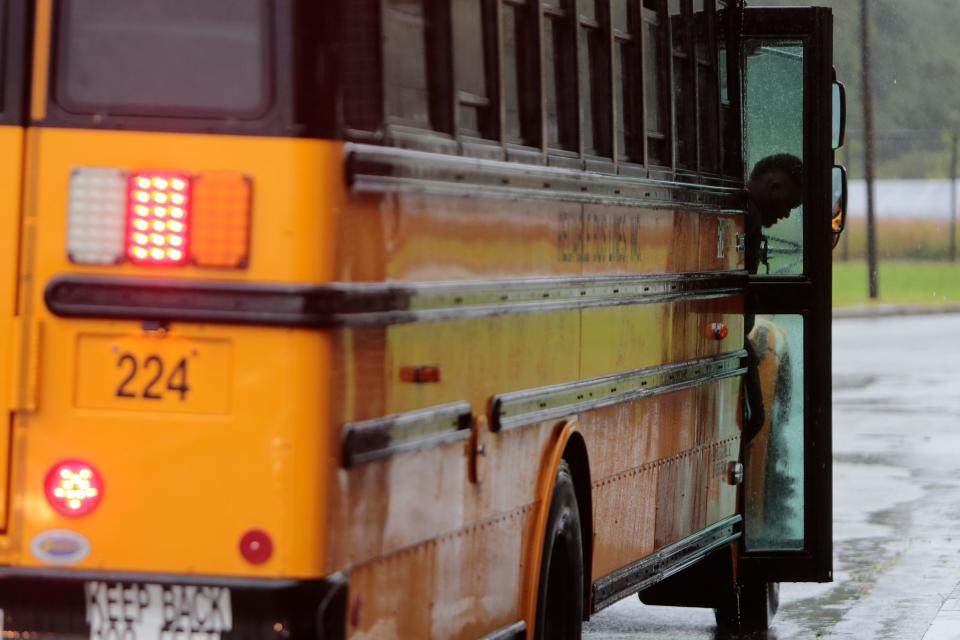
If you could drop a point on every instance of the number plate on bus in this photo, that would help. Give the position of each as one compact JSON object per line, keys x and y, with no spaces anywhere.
{"x":148,"y":373}
{"x":133,"y":611}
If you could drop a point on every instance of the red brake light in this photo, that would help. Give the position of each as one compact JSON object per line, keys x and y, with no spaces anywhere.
{"x":158,"y":218}
{"x":256,"y":547}
{"x":73,"y":488}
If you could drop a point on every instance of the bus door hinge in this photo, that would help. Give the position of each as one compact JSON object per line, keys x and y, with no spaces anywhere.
{"x":25,"y":365}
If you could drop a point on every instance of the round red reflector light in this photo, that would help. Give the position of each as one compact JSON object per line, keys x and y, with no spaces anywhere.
{"x":73,"y":488}
{"x":256,"y":547}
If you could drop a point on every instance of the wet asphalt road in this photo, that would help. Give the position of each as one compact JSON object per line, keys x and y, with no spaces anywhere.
{"x":896,"y":474}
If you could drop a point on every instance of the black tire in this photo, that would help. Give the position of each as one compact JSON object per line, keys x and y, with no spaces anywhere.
{"x":752,"y":609}
{"x":560,"y":590}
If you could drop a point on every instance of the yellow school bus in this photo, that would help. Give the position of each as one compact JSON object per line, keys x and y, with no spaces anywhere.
{"x":403,"y":318}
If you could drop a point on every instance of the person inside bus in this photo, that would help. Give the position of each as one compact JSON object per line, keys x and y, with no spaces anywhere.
{"x":774,"y":189}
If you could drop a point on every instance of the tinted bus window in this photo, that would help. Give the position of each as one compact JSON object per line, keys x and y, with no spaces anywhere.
{"x":170,"y":58}
{"x":413,"y":68}
{"x":656,"y":81}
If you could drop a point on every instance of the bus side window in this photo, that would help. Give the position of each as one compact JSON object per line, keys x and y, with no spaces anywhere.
{"x":360,"y":73}
{"x":473,"y":44}
{"x":560,"y":75}
{"x":683,"y":83}
{"x":414,"y":94}
{"x":628,"y":114}
{"x":704,"y":13}
{"x":594,"y":75}
{"x":656,"y":82}
{"x":521,"y":65}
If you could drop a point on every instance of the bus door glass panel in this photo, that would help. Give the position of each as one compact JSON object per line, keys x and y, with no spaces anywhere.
{"x":773,"y":110}
{"x":774,"y":451}
{"x":773,"y":478}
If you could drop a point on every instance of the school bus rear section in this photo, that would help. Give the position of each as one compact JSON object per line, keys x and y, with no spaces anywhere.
{"x":308,"y":341}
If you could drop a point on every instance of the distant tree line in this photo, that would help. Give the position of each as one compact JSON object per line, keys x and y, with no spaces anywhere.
{"x":916,"y":81}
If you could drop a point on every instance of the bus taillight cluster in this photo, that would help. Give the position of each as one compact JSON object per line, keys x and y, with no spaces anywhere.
{"x":158,"y":218}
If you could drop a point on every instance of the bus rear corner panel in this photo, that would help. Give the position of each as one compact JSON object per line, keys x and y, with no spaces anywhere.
{"x":65,"y":608}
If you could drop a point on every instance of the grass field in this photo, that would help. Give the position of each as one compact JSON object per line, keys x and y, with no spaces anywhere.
{"x":900,"y":282}
{"x":915,"y":239}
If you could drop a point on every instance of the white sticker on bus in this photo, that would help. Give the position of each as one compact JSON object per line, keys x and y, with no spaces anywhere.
{"x":132,"y":611}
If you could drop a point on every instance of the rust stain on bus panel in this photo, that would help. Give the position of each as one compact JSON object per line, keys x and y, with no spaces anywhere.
{"x":379,"y":610}
{"x":382,"y":507}
{"x":462,"y":604}
{"x":731,"y":395}
{"x":680,"y":489}
{"x":720,"y":435}
{"x":617,"y":438}
{"x":684,"y":331}
{"x":671,"y":420}
{"x":478,"y":583}
{"x":624,"y":512}
{"x":684,"y":252}
{"x":392,"y":504}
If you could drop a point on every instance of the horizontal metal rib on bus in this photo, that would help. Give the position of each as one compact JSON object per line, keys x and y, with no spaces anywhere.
{"x":664,"y":563}
{"x":378,"y":169}
{"x":380,"y":438}
{"x":531,"y":406}
{"x":367,"y":304}
{"x":515,"y":631}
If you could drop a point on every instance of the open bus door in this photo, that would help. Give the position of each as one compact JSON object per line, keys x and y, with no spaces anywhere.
{"x":787,"y":96}
{"x":14,"y":54}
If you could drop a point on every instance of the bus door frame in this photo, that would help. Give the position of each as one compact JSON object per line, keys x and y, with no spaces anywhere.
{"x":16,"y":22}
{"x":808,"y":295}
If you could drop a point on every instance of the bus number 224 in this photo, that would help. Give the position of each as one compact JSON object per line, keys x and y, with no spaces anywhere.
{"x":155,"y":381}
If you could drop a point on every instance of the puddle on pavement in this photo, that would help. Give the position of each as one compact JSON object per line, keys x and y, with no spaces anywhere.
{"x":859,"y":564}
{"x":850,"y":382}
{"x":866,"y":458}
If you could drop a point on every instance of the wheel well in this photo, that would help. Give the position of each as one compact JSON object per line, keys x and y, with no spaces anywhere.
{"x":575,"y":454}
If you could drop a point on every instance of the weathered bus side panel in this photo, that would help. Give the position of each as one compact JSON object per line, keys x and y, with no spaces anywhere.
{"x":655,"y":463}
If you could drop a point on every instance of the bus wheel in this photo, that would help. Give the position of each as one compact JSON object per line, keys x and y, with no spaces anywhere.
{"x":560,"y":591}
{"x":758,"y":604}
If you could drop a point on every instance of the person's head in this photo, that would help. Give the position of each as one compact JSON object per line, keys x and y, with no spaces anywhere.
{"x":776,"y":186}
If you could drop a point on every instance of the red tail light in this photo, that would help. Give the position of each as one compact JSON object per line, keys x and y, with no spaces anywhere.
{"x":256,"y":547}
{"x":158,"y":218}
{"x":73,"y":488}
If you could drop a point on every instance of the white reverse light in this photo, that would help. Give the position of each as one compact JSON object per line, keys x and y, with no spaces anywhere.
{"x":96,"y":215}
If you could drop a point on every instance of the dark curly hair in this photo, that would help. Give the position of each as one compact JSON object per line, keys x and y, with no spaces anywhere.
{"x":786,"y":163}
